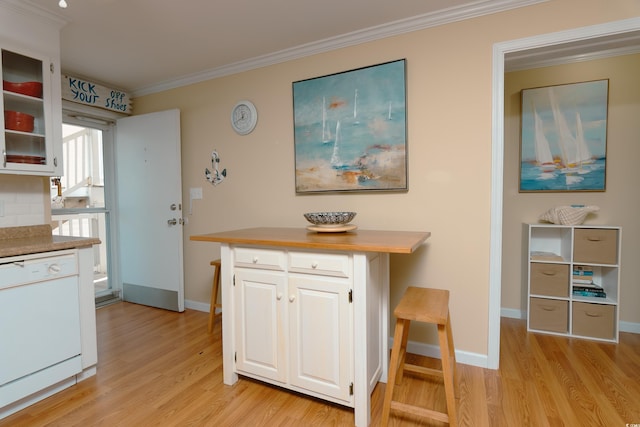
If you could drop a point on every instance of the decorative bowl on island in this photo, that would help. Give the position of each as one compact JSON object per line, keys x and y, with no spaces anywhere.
{"x":329,"y":219}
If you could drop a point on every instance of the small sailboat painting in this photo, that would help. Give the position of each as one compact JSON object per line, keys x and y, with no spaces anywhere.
{"x":564,"y":134}
{"x":350,"y":130}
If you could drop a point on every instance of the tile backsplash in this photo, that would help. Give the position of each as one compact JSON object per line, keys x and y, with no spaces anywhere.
{"x":22,"y":200}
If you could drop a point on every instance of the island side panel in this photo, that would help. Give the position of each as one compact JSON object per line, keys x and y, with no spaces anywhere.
{"x":230,"y":376}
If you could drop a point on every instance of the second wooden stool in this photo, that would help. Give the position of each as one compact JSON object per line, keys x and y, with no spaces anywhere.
{"x":428,"y":306}
{"x":214,"y":293}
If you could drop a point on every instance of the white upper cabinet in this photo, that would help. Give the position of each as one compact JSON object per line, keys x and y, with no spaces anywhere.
{"x":31,"y":137}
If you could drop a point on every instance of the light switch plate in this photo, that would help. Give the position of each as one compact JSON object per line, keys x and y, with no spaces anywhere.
{"x":196,"y":193}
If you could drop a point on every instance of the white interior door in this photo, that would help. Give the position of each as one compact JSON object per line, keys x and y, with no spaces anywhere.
{"x":149,"y":209}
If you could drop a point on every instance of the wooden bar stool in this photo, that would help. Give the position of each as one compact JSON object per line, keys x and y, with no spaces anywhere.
{"x":428,"y":306}
{"x":214,"y":293}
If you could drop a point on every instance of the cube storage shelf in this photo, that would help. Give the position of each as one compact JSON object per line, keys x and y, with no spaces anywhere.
{"x":563,"y":264}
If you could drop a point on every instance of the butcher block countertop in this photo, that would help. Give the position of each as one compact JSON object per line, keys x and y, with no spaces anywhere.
{"x":398,"y":242}
{"x":33,"y":239}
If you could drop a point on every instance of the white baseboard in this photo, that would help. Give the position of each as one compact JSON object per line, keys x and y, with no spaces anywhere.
{"x":430,"y":350}
{"x":513,"y":313}
{"x":196,"y":305}
{"x":199,"y":306}
{"x":634,"y":328}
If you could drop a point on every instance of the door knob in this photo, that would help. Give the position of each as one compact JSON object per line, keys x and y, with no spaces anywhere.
{"x":173,"y":207}
{"x":172,"y":221}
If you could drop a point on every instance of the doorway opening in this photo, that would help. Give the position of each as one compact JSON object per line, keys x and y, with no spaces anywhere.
{"x":80,"y":199}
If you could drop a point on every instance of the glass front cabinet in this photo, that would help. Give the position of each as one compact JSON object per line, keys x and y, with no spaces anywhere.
{"x":29,"y":137}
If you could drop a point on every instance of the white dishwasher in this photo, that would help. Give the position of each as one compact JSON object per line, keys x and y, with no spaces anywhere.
{"x":40,"y":343}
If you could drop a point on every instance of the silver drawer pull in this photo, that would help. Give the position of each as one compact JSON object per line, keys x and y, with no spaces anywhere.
{"x":255,"y":260}
{"x":314,"y":265}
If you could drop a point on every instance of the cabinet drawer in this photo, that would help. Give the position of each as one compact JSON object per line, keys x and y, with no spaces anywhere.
{"x":337,"y":265}
{"x":549,"y":315}
{"x":595,"y":245}
{"x":594,"y":320}
{"x":550,"y":279}
{"x":260,"y":258}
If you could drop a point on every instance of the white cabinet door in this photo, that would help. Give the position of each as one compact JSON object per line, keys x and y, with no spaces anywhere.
{"x":29,"y":126}
{"x":260,"y":321}
{"x":320,"y":323}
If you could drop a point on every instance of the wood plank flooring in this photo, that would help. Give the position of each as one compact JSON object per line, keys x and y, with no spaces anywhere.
{"x":159,"y":368}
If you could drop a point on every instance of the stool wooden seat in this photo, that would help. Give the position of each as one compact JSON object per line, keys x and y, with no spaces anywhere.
{"x":428,"y":306}
{"x":214,"y":293}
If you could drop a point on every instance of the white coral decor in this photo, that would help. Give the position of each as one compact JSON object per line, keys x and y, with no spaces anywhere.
{"x":568,"y":215}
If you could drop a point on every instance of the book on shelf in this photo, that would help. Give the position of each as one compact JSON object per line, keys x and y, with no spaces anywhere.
{"x":589,"y":286}
{"x":582,"y":281}
{"x":593,"y":288}
{"x":589,"y":294}
{"x":544,"y":256}
{"x":582,"y":270}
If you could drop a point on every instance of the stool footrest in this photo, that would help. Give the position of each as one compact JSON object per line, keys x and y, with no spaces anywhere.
{"x":423,"y":370}
{"x":421,"y":412}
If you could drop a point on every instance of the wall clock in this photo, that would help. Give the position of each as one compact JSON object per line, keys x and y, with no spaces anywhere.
{"x":244,"y":117}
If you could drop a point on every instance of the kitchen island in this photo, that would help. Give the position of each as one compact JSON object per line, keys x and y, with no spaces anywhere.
{"x":309,"y":311}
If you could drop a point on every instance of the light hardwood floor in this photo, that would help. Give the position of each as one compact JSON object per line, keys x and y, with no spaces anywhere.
{"x":159,"y":368}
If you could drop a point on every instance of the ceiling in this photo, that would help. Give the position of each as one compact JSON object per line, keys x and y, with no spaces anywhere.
{"x":139,"y":45}
{"x":144,"y":46}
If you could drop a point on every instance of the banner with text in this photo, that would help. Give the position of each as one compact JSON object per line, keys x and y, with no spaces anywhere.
{"x":84,"y":92}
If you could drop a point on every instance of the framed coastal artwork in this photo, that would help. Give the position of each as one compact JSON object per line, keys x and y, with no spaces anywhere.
{"x":350,"y":130}
{"x":564,"y":137}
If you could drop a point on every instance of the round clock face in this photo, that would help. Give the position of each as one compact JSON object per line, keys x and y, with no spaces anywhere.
{"x":244,"y":117}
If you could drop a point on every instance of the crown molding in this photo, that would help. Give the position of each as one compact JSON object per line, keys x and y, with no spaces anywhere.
{"x":617,"y":42}
{"x":421,"y":22}
{"x":30,"y":9}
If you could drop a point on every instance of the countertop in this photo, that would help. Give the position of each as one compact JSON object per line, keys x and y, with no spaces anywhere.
{"x":399,"y":242}
{"x":33,"y":239}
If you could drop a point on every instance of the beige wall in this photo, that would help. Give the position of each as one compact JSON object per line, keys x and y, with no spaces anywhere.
{"x":619,"y":204}
{"x":449,"y":117}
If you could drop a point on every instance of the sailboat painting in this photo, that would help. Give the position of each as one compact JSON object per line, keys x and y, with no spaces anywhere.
{"x":564,"y":137}
{"x":350,"y":130}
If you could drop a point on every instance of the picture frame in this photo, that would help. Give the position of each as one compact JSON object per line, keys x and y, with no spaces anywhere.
{"x":350,"y":130}
{"x":564,"y":137}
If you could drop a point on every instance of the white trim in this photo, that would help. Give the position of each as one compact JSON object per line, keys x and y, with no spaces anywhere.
{"x":403,"y":26}
{"x":433,"y":350}
{"x":197,"y":305}
{"x":571,"y":59}
{"x":500,"y":50}
{"x":495,"y":242}
{"x":631,"y":327}
{"x":28,"y":8}
{"x":513,"y":313}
